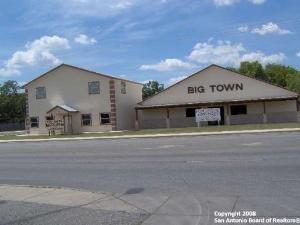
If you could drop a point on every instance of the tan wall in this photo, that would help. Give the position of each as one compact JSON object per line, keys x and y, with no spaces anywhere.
{"x":281,"y":106}
{"x":277,"y":111}
{"x":252,"y":89}
{"x":125,"y":104}
{"x":69,"y":86}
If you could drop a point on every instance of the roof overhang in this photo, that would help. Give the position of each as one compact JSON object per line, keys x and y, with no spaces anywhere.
{"x":195,"y":104}
{"x":65,"y":108}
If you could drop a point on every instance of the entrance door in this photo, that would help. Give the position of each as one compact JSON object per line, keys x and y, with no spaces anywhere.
{"x":68,"y":124}
{"x":222,"y":116}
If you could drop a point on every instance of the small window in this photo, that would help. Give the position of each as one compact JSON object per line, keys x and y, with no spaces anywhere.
{"x":123,"y":87}
{"x":86,"y":120}
{"x":40,"y":92}
{"x":50,"y":117}
{"x":34,"y":122}
{"x":238,"y":109}
{"x":94,"y":87}
{"x":104,"y":118}
{"x":190,"y":112}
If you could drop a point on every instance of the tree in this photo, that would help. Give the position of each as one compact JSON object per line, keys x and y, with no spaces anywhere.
{"x":12,"y":102}
{"x":9,"y":87}
{"x":278,"y":74}
{"x":293,"y":82}
{"x":151,"y":88}
{"x":252,"y":69}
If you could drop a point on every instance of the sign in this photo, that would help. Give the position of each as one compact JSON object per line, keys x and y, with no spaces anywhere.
{"x":215,"y":88}
{"x":54,"y":124}
{"x":209,"y":114}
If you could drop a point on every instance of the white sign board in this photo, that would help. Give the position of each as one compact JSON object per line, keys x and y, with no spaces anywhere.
{"x":209,"y":114}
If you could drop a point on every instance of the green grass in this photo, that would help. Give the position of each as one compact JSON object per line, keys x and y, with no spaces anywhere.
{"x":162,"y":131}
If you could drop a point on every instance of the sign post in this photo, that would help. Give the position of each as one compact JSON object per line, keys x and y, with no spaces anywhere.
{"x":209,"y":114}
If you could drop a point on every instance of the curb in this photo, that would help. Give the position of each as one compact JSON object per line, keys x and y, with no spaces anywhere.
{"x":157,"y":135}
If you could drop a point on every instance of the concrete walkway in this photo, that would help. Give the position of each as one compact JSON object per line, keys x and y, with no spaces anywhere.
{"x":139,"y":208}
{"x":156,"y":135}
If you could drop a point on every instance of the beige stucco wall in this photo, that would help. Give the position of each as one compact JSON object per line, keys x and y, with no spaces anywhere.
{"x":276,"y":111}
{"x":125,"y":104}
{"x":69,"y":86}
{"x":252,"y":89}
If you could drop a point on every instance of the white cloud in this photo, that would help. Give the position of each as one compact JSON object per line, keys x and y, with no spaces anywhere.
{"x":146,"y":81}
{"x":167,"y":65}
{"x":232,"y":2}
{"x":262,"y":58}
{"x":222,"y":53}
{"x":243,"y":29}
{"x":85,"y":40}
{"x":257,"y":2}
{"x":298,"y":54}
{"x":270,"y":28}
{"x":121,"y":5}
{"x":226,"y":53}
{"x":174,"y":80}
{"x":38,"y":52}
{"x":94,"y":8}
{"x":225,"y":2}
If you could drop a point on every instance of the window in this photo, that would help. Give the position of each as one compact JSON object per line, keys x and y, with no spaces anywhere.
{"x":104,"y":118}
{"x":123,"y":87}
{"x":86,"y":119}
{"x":40,"y":92}
{"x":51,"y":117}
{"x":238,"y":109}
{"x":190,"y":112}
{"x":34,"y":122}
{"x":94,"y":87}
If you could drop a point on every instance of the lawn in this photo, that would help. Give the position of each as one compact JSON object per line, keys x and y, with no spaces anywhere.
{"x":162,"y":131}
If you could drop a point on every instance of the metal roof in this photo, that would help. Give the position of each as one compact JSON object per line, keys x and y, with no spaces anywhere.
{"x":64,"y":107}
{"x":187,"y":104}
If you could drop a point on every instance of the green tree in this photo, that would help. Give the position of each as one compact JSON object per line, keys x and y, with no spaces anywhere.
{"x":293,"y":82}
{"x":151,"y":88}
{"x":278,"y":74}
{"x":252,"y":69}
{"x":12,"y":102}
{"x":9,"y":87}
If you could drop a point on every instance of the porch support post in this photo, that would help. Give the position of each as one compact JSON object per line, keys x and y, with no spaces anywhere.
{"x":227,"y":117}
{"x":168,"y":118}
{"x":265,"y":118}
{"x":136,"y":119}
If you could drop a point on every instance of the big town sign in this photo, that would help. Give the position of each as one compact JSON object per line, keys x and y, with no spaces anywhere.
{"x":215,"y":88}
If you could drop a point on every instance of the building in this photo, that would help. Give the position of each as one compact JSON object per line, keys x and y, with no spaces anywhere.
{"x":69,"y":99}
{"x":241,"y":99}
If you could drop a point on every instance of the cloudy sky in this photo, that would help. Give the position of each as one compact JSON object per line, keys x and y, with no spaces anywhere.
{"x":142,"y":40}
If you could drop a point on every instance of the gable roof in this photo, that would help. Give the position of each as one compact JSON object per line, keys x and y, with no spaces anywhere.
{"x":64,"y":108}
{"x":220,"y":67}
{"x":78,"y":68}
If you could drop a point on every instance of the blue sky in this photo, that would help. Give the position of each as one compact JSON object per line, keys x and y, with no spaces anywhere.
{"x":141,"y":40}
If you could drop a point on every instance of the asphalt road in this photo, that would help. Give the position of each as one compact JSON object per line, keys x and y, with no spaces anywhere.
{"x":256,"y":172}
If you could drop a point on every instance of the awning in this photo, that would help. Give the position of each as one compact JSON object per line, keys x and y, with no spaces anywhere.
{"x":195,"y":104}
{"x":65,"y":108}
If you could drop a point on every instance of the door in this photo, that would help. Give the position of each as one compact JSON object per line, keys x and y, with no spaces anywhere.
{"x":68,"y":124}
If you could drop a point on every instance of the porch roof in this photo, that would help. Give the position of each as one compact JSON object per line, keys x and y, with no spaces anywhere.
{"x":195,"y":104}
{"x":64,"y":108}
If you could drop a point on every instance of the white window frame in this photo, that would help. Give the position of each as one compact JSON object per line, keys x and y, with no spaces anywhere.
{"x":39,"y":94}
{"x":90,"y":120}
{"x":90,"y":87}
{"x":123,"y":87}
{"x":37,"y":122}
{"x":101,"y":118}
